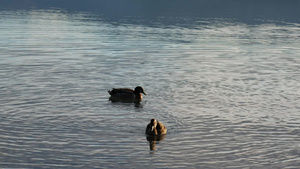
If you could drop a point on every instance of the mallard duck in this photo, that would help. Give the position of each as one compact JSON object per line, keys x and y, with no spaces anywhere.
{"x":155,"y":128}
{"x":126,"y":95}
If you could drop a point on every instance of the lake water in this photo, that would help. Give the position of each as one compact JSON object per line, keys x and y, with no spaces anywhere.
{"x":227,"y":90}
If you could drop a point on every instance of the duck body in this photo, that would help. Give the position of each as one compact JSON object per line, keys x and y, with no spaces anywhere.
{"x":155,"y":128}
{"x":126,"y":95}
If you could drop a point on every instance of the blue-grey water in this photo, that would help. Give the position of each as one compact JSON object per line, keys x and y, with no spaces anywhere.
{"x":228,"y":90}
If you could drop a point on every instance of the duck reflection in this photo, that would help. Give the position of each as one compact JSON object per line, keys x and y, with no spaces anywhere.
{"x":152,"y":140}
{"x":138,"y":105}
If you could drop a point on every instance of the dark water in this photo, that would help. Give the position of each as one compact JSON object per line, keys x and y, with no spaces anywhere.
{"x":227,"y":90}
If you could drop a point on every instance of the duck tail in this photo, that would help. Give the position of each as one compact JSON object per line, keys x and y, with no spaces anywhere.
{"x":109,"y":92}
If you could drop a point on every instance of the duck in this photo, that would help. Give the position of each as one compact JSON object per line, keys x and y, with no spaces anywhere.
{"x":126,"y":94}
{"x":155,"y":128}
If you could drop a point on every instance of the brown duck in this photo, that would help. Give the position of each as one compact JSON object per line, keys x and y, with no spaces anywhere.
{"x":126,"y":95}
{"x":155,"y":128}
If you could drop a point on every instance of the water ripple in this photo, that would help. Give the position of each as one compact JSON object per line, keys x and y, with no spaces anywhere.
{"x":228,"y":92}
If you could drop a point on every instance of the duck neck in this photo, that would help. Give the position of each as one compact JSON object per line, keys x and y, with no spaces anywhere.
{"x":137,"y":95}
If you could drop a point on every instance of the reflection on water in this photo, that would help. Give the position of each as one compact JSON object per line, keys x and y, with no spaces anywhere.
{"x":154,"y":140}
{"x":227,"y":91}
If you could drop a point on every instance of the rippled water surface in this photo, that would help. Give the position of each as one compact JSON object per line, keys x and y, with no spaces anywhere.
{"x":228,"y":91}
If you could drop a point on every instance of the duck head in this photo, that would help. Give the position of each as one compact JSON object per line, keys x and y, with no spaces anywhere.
{"x":153,"y":124}
{"x":139,"y":89}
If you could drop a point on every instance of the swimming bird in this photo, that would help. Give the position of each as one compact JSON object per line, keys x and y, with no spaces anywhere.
{"x":126,"y":95}
{"x":155,"y":128}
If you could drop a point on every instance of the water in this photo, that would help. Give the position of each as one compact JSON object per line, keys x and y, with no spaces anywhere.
{"x":227,"y":90}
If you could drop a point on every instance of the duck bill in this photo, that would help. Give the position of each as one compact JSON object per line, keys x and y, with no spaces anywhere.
{"x":152,"y":128}
{"x":144,"y":93}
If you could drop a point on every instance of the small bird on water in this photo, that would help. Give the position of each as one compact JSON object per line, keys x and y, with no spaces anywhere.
{"x":155,"y":128}
{"x":126,"y":95}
